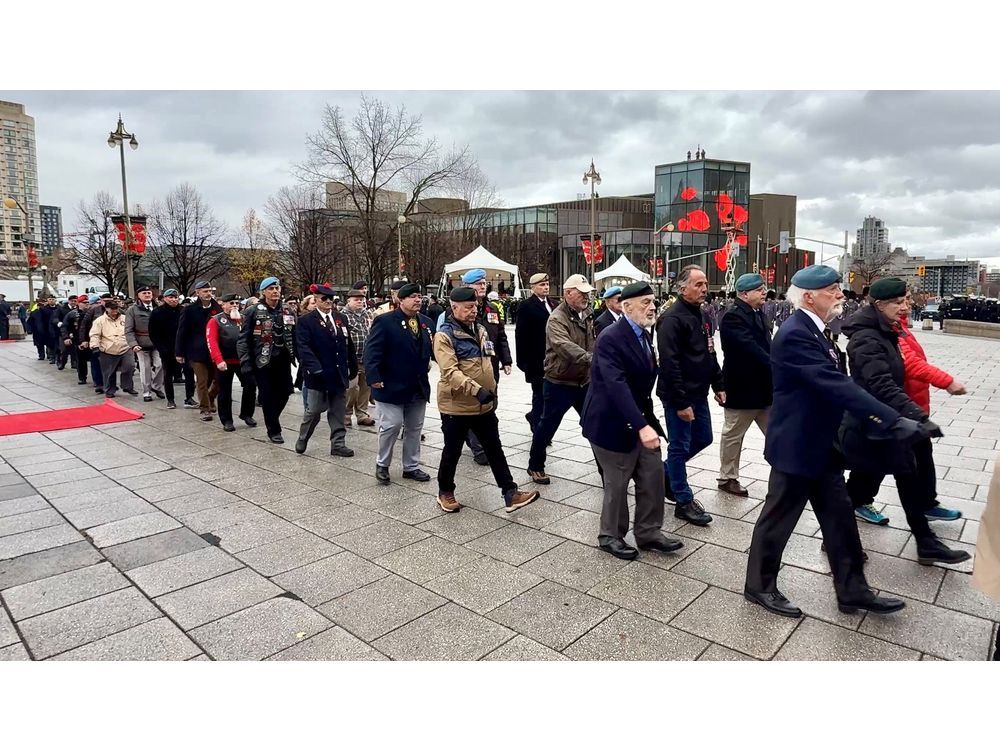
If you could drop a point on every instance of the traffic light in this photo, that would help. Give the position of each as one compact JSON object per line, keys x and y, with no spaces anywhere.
{"x":755,"y":268}
{"x":850,"y":277}
{"x":921,"y":270}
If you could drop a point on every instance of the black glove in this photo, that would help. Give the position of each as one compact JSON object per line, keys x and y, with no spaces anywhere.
{"x":907,"y":430}
{"x":484,"y":396}
{"x":929,"y":429}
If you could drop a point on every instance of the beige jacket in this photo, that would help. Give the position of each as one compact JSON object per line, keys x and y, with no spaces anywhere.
{"x":108,"y":336}
{"x":986,"y":574}
{"x":465,"y":369}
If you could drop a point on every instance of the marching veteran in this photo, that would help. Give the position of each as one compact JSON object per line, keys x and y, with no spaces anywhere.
{"x":613,"y":301}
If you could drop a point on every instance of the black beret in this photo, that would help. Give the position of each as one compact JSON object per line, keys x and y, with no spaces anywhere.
{"x":360,"y":284}
{"x":143,"y":288}
{"x":463,"y":294}
{"x":408,"y":290}
{"x":231,"y":298}
{"x":887,"y":289}
{"x":321,"y":289}
{"x":397,"y":285}
{"x":107,"y":295}
{"x":636,"y":289}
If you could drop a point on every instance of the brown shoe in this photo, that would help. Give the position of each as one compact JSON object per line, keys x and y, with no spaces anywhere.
{"x":521,"y":498}
{"x":448,"y":503}
{"x":366,"y":422}
{"x":733,"y":487}
{"x":348,"y":423}
{"x":538,"y":477}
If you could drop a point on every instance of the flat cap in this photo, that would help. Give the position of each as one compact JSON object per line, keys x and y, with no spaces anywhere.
{"x":579,"y":282}
{"x":356,"y":293}
{"x":538,"y":278}
{"x":321,"y":289}
{"x":611,"y":291}
{"x":269,"y":281}
{"x":473,"y":276}
{"x":815,"y":277}
{"x":636,"y":289}
{"x":202,"y":285}
{"x":462,"y":294}
{"x":749,"y":281}
{"x":887,"y":289}
{"x":397,"y":285}
{"x":408,"y":290}
{"x":171,"y":293}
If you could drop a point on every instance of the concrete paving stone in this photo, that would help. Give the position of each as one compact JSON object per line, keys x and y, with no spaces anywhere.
{"x":729,"y":620}
{"x":280,"y":489}
{"x":58,"y":478}
{"x":374,"y":496}
{"x":552,"y":614}
{"x":814,"y":594}
{"x":413,"y":510}
{"x":8,"y":635}
{"x":295,"y":507}
{"x":346,"y":481}
{"x":115,"y":510}
{"x":195,"y":605}
{"x":566,"y":469}
{"x":464,"y":526}
{"x":970,"y":532}
{"x":724,"y":532}
{"x":968,"y":476}
{"x":136,"y":527}
{"x":330,"y":577}
{"x":961,"y":462}
{"x":37,"y":540}
{"x":957,"y":593}
{"x":67,"y":628}
{"x":627,"y":636}
{"x":36,"y":519}
{"x":575,"y":565}
{"x":449,"y":633}
{"x":723,"y":504}
{"x":335,"y":644}
{"x":288,"y":553}
{"x":72,"y":503}
{"x":581,"y":526}
{"x":15,"y":652}
{"x":514,"y":544}
{"x":380,"y":607}
{"x":427,"y":559}
{"x":154,"y":548}
{"x":183,"y":570}
{"x":484,"y":584}
{"x":115,"y":457}
{"x":260,"y":631}
{"x":648,"y":590}
{"x":155,"y":480}
{"x":149,"y":466}
{"x":715,"y":652}
{"x":929,"y":629}
{"x":215,"y":519}
{"x":188,"y":505}
{"x":484,"y":497}
{"x":985,"y":454}
{"x":17,"y":490}
{"x":160,"y":492}
{"x":814,"y":640}
{"x":884,"y":539}
{"x":243,"y":536}
{"x":156,"y":640}
{"x":716,"y":566}
{"x":70,"y":464}
{"x":805,"y":552}
{"x":27,"y":504}
{"x":85,"y":487}
{"x":591,"y":499}
{"x":50,"y":562}
{"x":521,"y":648}
{"x":379,"y":538}
{"x":54,"y":592}
{"x":332,"y":522}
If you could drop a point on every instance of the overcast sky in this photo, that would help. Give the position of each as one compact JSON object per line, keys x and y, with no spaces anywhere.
{"x":928,"y":163}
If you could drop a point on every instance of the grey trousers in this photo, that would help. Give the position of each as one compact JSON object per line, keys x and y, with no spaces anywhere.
{"x":737,"y":423}
{"x":112,"y":363}
{"x":148,"y":362}
{"x":334,"y":405}
{"x":645,"y":466}
{"x":390,"y":417}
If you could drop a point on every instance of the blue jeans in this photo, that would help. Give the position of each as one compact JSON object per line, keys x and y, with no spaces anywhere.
{"x":685,"y":440}
{"x":558,"y":399}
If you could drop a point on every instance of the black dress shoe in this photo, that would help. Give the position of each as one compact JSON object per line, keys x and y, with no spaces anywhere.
{"x":147,"y":399}
{"x":480,"y":458}
{"x":98,"y":390}
{"x":693,"y":513}
{"x":619,"y":549}
{"x":229,"y":427}
{"x":341,"y":450}
{"x":934,"y":550}
{"x":159,"y":394}
{"x":417,"y":475}
{"x":189,"y":403}
{"x":664,"y":544}
{"x":773,"y":601}
{"x":131,"y":391}
{"x":382,"y":474}
{"x":879,"y":605}
{"x":300,"y":446}
{"x":250,"y":422}
{"x":276,"y":439}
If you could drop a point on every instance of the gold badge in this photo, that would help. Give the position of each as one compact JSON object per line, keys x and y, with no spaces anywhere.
{"x":412,"y":323}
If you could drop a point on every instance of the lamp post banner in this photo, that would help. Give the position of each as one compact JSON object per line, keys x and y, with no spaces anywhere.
{"x":135,"y":243}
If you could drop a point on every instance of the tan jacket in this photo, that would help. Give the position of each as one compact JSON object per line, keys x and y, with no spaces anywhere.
{"x":108,"y":336}
{"x":986,"y":574}
{"x":569,"y":346}
{"x":465,"y":368}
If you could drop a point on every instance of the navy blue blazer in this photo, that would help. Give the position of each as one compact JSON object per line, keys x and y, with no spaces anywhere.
{"x":811,"y":393}
{"x":619,"y":401}
{"x":398,"y":359}
{"x":327,"y":357}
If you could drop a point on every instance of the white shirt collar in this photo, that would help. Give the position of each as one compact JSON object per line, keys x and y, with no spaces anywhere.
{"x":614,"y":315}
{"x":815,"y":319}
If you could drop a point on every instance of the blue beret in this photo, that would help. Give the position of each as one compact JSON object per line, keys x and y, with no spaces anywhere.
{"x":749,"y":281}
{"x":815,"y":277}
{"x":92,"y":298}
{"x":269,"y":281}
{"x":471,"y":277}
{"x":171,"y":293}
{"x":202,"y":285}
{"x":611,"y":292}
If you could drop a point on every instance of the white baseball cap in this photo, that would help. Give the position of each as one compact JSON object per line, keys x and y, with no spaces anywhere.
{"x":579,"y":282}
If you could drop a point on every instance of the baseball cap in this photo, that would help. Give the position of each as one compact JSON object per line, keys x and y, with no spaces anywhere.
{"x":579,"y":282}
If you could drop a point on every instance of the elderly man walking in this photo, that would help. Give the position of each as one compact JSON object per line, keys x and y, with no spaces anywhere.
{"x":529,"y":337}
{"x":746,"y":371}
{"x":623,"y":431}
{"x":191,"y":346}
{"x":137,"y":334}
{"x":613,"y":313}
{"x":811,"y":394}
{"x":359,"y":323}
{"x":107,"y":339}
{"x":569,"y":346}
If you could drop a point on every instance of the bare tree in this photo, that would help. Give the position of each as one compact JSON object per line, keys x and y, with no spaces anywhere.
{"x":98,"y":254}
{"x":871,"y":266}
{"x":303,"y":233}
{"x":187,"y":238}
{"x":378,"y":151}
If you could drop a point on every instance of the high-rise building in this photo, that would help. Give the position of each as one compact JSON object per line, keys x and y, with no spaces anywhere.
{"x":18,"y":180}
{"x":942,"y":277}
{"x":872,"y":239}
{"x":52,"y":232}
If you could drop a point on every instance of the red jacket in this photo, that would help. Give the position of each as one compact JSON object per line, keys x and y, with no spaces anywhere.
{"x":919,"y":375}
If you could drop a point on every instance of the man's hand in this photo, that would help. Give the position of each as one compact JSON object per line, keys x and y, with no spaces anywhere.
{"x":956,"y":388}
{"x":84,"y":344}
{"x":136,"y":349}
{"x":506,"y":369}
{"x":222,"y":366}
{"x":68,"y":342}
{"x":720,"y":397}
{"x":379,"y":384}
{"x":686,"y":414}
{"x":180,"y":360}
{"x":649,"y":438}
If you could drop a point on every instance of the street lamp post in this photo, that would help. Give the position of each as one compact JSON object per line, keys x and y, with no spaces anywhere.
{"x":594,"y":177}
{"x":13,"y":203}
{"x":117,"y":138}
{"x":400,"y":220}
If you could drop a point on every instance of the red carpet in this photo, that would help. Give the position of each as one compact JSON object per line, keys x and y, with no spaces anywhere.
{"x":66,"y":419}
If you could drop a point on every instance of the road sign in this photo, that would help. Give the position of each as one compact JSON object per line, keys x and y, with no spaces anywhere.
{"x":783,"y":242}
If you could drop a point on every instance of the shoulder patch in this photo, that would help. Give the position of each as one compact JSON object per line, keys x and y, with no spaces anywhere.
{"x":261,"y":307}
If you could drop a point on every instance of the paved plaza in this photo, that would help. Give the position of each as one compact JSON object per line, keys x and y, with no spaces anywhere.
{"x":167,"y":538}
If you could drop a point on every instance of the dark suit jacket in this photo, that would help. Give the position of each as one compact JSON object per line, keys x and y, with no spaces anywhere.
{"x":602,"y":321}
{"x":746,"y":365}
{"x":190,"y":342}
{"x":529,"y":337}
{"x":397,"y":359}
{"x":329,"y":362}
{"x":811,"y":394}
{"x":619,"y":402}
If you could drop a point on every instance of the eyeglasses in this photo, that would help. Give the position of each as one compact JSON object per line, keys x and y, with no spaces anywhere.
{"x":325,"y":298}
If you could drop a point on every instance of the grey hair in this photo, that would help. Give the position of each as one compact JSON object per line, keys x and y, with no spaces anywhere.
{"x":685,"y":275}
{"x":795,"y":295}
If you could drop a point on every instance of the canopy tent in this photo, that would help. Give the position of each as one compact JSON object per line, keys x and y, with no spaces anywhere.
{"x":496,"y":270}
{"x":621,"y":269}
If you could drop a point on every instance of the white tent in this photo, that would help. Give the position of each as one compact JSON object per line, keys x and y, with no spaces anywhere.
{"x":495,"y":268}
{"x":621,"y":269}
